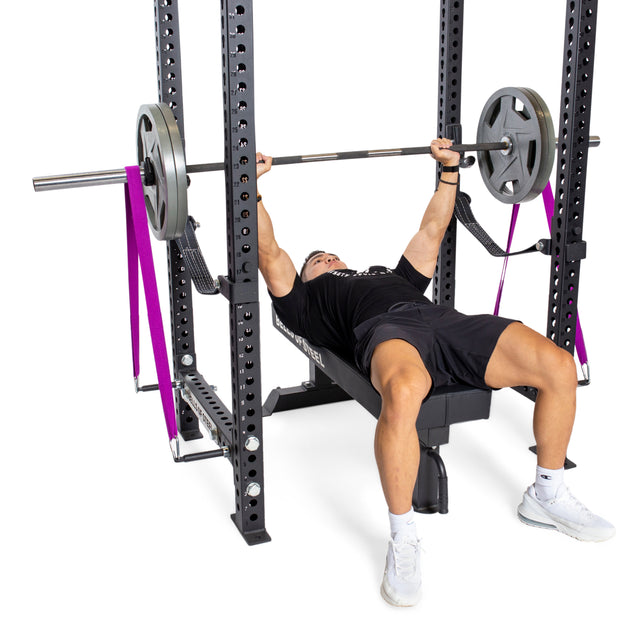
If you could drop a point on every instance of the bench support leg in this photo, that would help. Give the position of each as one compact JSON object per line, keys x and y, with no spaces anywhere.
{"x":320,"y":389}
{"x":431,"y":491}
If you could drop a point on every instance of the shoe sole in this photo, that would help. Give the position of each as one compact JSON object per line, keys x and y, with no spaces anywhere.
{"x":387,"y":598}
{"x":390,"y":601}
{"x":583,"y":536}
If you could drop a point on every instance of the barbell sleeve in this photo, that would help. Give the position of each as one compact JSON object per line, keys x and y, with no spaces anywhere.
{"x":118,"y":176}
{"x":73,"y":180}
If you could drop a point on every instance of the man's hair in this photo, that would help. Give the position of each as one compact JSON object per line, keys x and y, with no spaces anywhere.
{"x":306,"y":260}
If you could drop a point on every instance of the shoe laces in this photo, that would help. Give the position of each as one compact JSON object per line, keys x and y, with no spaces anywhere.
{"x":567,"y":498}
{"x":405,"y":553}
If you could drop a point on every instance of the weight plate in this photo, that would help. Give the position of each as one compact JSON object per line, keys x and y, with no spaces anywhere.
{"x":521,"y":116}
{"x":160,"y":153}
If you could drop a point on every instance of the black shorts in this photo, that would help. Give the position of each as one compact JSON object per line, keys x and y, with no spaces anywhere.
{"x":454,"y":347}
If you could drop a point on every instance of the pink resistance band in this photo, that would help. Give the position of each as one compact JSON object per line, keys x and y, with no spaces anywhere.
{"x":549,"y":205}
{"x":512,"y":228}
{"x":139,"y":250}
{"x":581,"y":349}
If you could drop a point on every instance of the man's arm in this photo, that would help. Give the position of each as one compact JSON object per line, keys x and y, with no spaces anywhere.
{"x":422,"y":251}
{"x":274,"y":263}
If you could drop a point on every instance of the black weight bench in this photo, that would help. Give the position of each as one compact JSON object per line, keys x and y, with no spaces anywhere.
{"x":333,"y":379}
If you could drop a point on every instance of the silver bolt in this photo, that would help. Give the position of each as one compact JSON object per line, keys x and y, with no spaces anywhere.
{"x":509,"y":149}
{"x":252,"y":444}
{"x":253,"y":490}
{"x":187,"y":360}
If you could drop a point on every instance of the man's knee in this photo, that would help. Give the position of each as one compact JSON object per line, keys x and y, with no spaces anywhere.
{"x":403,"y":393}
{"x":400,"y":377}
{"x":558,"y":368}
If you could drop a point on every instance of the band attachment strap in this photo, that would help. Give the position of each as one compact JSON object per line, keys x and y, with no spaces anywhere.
{"x":190,"y":250}
{"x":463,"y":213}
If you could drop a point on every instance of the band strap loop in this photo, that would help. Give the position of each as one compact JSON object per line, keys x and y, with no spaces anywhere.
{"x":463,"y":213}
{"x":196,"y":265}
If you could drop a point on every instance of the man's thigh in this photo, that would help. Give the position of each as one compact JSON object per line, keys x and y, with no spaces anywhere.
{"x":397,"y":363}
{"x":522,"y":356}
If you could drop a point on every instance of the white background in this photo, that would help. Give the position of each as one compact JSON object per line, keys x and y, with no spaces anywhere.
{"x":103,"y":536}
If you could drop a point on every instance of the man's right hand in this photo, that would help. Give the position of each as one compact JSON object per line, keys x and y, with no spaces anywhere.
{"x":263,"y":164}
{"x":442,"y":153}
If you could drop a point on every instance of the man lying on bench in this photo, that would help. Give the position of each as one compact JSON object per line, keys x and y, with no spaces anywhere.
{"x":407,"y":346}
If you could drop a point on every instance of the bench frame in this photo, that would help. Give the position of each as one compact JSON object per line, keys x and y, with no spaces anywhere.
{"x":333,"y":379}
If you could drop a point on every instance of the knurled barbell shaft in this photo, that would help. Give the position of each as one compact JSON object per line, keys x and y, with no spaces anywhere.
{"x":358,"y":155}
{"x":118,"y":176}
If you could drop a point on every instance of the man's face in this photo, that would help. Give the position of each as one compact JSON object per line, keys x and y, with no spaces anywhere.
{"x":322,"y":263}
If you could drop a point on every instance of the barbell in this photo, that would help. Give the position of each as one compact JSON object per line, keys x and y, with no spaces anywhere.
{"x":515,"y":143}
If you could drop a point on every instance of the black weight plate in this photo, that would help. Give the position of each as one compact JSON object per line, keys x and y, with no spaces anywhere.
{"x":520,"y":173}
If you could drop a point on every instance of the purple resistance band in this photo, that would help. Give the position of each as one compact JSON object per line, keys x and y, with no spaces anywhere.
{"x":132,"y":262}
{"x":512,"y":228}
{"x":549,"y":205}
{"x":139,"y":248}
{"x":581,"y":349}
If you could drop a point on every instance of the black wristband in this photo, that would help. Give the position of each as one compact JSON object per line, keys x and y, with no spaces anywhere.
{"x":451,"y":169}
{"x":455,"y":184}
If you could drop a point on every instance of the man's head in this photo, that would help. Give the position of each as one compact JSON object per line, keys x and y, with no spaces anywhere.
{"x":319,"y":262}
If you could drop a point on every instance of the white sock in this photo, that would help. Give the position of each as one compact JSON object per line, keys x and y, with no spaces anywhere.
{"x":548,"y":481}
{"x":404,"y":524}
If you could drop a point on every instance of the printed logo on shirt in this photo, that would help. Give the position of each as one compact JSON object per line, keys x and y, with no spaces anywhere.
{"x":371,"y":271}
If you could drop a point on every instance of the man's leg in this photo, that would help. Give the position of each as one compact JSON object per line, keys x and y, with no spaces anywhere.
{"x":524,"y":357}
{"x":401,"y":379}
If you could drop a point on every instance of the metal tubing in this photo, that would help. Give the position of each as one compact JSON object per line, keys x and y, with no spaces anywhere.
{"x":202,"y":455}
{"x":73,"y":180}
{"x":118,"y":176}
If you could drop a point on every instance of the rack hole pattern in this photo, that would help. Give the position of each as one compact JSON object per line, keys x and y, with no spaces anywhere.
{"x":572,"y":166}
{"x":168,"y":57}
{"x":449,"y":101}
{"x":170,"y":92}
{"x":213,"y":406}
{"x":238,"y":93}
{"x":182,"y":318}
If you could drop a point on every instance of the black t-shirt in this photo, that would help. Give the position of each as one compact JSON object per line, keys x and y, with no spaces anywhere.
{"x":327,"y":309}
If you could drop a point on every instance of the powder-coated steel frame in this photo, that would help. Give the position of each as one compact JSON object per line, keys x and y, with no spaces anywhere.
{"x":240,"y":430}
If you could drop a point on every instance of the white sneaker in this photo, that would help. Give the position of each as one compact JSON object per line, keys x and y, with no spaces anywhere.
{"x":402,"y":582}
{"x":565,"y":514}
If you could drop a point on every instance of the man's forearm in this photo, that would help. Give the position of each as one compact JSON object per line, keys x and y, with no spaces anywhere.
{"x":440,"y":208}
{"x":267,"y":244}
